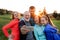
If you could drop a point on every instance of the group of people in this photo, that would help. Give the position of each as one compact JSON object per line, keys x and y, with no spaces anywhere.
{"x":43,"y":28}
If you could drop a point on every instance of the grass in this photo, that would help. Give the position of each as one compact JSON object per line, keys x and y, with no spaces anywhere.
{"x":57,"y":23}
{"x":4,"y":19}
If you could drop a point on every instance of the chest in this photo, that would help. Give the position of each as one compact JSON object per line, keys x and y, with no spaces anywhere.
{"x":40,"y":31}
{"x":27,"y":23}
{"x":15,"y":27}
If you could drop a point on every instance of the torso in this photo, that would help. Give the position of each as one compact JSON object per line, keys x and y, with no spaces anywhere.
{"x":40,"y":32}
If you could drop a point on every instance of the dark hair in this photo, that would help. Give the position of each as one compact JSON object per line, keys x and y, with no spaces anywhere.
{"x":31,"y":7}
{"x":12,"y":16}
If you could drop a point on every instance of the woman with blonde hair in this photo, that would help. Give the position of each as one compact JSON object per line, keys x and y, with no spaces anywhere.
{"x":50,"y":30}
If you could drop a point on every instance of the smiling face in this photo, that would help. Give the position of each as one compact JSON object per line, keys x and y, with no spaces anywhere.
{"x":16,"y":15}
{"x":26,"y":16}
{"x":37,"y":20}
{"x":44,"y":20}
{"x":32,"y":11}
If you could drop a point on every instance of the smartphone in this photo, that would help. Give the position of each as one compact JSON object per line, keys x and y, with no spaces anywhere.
{"x":31,"y":28}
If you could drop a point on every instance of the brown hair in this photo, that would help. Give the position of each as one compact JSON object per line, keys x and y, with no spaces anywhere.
{"x":31,"y":7}
{"x":12,"y":15}
{"x":32,"y":15}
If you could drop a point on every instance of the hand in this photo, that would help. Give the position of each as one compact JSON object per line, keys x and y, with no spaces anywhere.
{"x":24,"y":30}
{"x":10,"y":36}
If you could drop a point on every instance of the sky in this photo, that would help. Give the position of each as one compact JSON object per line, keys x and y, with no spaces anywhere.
{"x":23,"y":5}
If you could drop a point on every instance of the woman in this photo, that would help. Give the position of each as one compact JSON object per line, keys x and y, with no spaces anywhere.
{"x":13,"y":25}
{"x":50,"y":31}
{"x":39,"y":30}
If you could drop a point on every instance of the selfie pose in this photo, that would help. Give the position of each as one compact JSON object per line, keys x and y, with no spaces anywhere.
{"x":27,"y":34}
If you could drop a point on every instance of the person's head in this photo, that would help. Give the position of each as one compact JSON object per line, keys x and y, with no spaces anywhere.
{"x":16,"y":15}
{"x":44,"y":20}
{"x":37,"y":19}
{"x":26,"y":15}
{"x":32,"y":11}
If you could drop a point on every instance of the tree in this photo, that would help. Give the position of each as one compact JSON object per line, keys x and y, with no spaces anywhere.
{"x":55,"y":14}
{"x":3,"y":11}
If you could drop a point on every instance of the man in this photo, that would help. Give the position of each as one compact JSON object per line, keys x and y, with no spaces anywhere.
{"x":27,"y":34}
{"x":32,"y":13}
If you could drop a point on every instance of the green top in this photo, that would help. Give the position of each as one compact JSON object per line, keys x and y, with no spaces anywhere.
{"x":38,"y":32}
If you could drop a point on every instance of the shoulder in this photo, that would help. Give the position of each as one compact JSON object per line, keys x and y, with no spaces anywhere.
{"x":31,"y":19}
{"x":22,"y":22}
{"x":14,"y":21}
{"x":21,"y":18}
{"x":49,"y":28}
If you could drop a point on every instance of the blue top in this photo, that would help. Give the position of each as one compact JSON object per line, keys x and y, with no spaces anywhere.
{"x":51,"y":33}
{"x":39,"y":32}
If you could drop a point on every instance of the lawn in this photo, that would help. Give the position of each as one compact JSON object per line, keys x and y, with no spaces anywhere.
{"x":57,"y":23}
{"x":4,"y":19}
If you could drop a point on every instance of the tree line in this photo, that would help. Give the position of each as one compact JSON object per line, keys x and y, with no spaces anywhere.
{"x":56,"y":15}
{"x":4,"y":11}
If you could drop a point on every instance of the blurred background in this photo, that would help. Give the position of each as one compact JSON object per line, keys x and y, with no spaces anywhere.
{"x":8,"y":7}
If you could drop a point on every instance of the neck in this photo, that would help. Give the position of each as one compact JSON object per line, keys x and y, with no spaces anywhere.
{"x":32,"y":15}
{"x":38,"y":23}
{"x":26,"y":19}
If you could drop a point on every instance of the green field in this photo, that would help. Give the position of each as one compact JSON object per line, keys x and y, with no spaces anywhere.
{"x":4,"y":19}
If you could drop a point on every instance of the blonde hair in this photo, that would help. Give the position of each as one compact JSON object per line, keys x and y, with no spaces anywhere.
{"x":49,"y":20}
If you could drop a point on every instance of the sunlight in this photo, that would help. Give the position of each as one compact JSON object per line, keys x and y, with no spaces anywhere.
{"x":37,"y":13}
{"x":15,"y":5}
